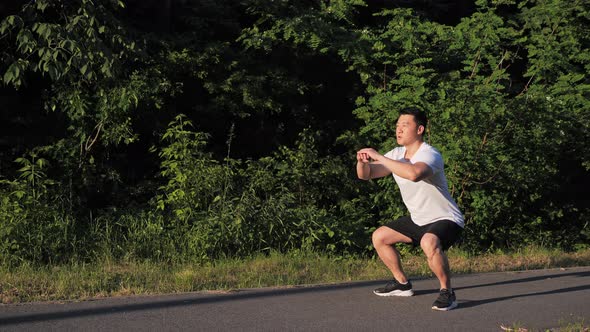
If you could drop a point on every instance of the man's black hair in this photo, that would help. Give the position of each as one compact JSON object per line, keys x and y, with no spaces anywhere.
{"x":419,"y":115}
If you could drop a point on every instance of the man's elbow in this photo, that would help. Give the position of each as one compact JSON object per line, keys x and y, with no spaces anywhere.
{"x":416,"y":177}
{"x":417,"y":174}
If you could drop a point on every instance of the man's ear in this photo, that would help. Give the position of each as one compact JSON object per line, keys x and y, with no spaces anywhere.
{"x":420,"y":129}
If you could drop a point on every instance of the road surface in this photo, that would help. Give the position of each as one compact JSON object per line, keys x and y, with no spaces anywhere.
{"x":539,"y":299}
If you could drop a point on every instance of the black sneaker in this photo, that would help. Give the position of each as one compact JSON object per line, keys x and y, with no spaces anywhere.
{"x":446,"y":300}
{"x":394,"y":288}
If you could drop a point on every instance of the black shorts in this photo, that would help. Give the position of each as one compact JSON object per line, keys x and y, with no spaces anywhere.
{"x":446,"y":230}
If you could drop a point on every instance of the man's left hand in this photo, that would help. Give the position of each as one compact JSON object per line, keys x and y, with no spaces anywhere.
{"x":372,"y":153}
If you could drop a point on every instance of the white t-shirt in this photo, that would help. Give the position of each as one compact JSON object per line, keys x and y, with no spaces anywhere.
{"x":427,"y":200}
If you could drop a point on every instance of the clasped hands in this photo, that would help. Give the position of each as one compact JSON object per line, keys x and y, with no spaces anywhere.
{"x":367,"y":154}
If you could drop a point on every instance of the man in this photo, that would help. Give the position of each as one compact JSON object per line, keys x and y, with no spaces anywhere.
{"x":435,"y":221}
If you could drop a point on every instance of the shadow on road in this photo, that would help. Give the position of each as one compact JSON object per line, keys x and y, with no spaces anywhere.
{"x":201,"y":298}
{"x":468,"y":304}
{"x":198,"y":298}
{"x":529,"y":279}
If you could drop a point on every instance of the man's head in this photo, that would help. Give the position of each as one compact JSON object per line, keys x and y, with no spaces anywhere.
{"x":411,"y":125}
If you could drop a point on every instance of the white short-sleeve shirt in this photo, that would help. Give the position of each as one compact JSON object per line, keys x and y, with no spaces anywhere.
{"x":427,"y":200}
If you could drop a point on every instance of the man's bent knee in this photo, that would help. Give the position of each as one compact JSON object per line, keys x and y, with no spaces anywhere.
{"x":387,"y":236}
{"x":379,"y":236}
{"x":430,"y":244}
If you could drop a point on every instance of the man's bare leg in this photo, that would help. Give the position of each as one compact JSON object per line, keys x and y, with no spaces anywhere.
{"x":384,"y":239}
{"x":437,"y":260}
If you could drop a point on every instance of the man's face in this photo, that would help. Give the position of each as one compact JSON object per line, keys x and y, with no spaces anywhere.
{"x":407,"y":130}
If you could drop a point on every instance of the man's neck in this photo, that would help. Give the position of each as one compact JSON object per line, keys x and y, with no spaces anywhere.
{"x":412,"y":148}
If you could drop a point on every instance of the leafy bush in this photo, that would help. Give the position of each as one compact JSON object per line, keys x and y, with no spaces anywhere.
{"x":33,"y":223}
{"x":506,"y":90}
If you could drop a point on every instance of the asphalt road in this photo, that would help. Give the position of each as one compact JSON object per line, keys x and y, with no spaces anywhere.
{"x":540,"y":299}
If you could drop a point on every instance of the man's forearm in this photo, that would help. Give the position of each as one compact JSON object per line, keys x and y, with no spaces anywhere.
{"x":363,"y":170}
{"x":405,"y":170}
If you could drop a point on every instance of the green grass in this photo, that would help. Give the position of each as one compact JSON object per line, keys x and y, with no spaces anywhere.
{"x":104,"y":279}
{"x":564,"y":325}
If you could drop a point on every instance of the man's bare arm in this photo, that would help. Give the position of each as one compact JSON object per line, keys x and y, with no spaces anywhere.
{"x":371,"y":170}
{"x":413,"y":172}
{"x":366,"y":169}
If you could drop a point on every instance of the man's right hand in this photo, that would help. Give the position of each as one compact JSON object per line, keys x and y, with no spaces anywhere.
{"x":362,"y":157}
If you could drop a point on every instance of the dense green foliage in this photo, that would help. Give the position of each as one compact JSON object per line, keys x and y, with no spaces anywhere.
{"x":190,"y":130}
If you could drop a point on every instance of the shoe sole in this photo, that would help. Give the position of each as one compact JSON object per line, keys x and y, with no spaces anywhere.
{"x":396,"y":293}
{"x":452,"y":306}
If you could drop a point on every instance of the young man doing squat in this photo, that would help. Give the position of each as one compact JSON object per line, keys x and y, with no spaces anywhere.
{"x":435,"y":221}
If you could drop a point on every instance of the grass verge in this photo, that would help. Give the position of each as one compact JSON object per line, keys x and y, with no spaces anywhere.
{"x":575,"y":325}
{"x":28,"y":283}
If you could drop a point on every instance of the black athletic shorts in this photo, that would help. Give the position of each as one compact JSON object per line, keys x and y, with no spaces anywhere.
{"x":446,"y":230}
